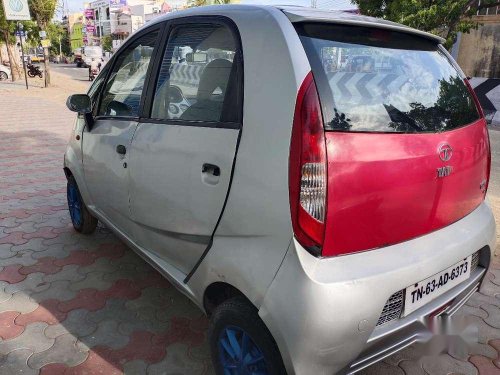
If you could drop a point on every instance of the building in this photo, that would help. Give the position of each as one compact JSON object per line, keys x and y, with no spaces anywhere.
{"x":102,"y":18}
{"x":477,"y":52}
{"x":72,"y":24}
{"x":76,"y":35}
{"x":130,"y":17}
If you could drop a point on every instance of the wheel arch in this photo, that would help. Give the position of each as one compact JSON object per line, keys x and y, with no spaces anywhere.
{"x":218,"y":292}
{"x":67,"y":172}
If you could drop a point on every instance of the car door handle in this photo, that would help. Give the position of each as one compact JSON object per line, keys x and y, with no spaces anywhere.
{"x":210,"y":168}
{"x":121,"y":149}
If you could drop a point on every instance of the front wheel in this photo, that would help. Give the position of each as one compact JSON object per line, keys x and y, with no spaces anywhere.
{"x":31,"y":74}
{"x":81,"y":218}
{"x":240,"y":343}
{"x":40,"y":75}
{"x":3,"y":76}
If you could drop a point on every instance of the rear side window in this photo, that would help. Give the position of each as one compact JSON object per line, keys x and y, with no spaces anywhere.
{"x":373,"y":80}
{"x":199,"y":75}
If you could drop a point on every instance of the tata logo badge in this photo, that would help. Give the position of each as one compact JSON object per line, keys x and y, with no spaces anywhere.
{"x":444,"y":171}
{"x":445,"y":152}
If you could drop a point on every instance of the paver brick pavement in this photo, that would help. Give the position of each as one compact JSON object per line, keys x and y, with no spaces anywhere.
{"x":74,"y":304}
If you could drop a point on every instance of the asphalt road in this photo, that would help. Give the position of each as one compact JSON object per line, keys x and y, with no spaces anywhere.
{"x":78,"y":74}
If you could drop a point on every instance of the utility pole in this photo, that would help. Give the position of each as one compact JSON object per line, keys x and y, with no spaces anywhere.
{"x":60,"y":49}
{"x":314,"y":3}
{"x":19,"y":29}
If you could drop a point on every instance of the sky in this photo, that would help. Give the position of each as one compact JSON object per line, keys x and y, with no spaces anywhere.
{"x":77,"y":5}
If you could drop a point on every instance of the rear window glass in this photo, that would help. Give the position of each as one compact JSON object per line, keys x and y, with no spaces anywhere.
{"x":373,"y":80}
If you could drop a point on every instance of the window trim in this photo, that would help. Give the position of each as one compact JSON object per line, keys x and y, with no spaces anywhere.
{"x":169,"y":26}
{"x":147,"y":80}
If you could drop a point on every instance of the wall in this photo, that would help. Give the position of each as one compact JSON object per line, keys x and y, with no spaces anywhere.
{"x":479,"y":51}
{"x":488,"y":93}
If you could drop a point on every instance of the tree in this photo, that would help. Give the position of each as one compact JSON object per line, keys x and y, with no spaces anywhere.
{"x":42,"y":11}
{"x":57,"y":35}
{"x":442,"y":17}
{"x":7,"y":32}
{"x":107,"y":43}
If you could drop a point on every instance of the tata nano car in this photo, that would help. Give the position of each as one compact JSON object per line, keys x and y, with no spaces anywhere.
{"x":324,"y":217}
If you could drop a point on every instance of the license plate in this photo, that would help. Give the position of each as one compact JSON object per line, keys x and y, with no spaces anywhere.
{"x":426,"y":290}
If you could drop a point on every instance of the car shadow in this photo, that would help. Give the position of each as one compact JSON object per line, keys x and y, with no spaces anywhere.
{"x":88,"y":300}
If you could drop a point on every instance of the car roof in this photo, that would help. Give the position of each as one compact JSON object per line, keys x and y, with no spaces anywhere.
{"x":299,"y":14}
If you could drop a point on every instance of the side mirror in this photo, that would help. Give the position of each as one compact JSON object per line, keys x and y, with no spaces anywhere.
{"x":79,"y":103}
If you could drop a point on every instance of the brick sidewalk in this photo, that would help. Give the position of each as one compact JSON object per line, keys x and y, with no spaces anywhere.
{"x":77,"y":304}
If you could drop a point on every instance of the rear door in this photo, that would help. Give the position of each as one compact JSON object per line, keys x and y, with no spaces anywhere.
{"x":182,"y":155}
{"x":407,"y":147}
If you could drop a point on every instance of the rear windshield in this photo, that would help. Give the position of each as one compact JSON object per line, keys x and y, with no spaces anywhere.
{"x":373,"y":80}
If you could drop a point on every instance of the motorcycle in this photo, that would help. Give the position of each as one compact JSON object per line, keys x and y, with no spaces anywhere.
{"x":34,"y":71}
{"x":92,"y":74}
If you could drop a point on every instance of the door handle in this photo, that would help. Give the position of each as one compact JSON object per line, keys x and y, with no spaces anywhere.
{"x":210,"y":168}
{"x":121,"y":149}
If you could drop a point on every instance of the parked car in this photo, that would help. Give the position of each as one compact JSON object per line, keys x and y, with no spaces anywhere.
{"x":38,"y":58}
{"x":4,"y":72}
{"x":322,"y":220}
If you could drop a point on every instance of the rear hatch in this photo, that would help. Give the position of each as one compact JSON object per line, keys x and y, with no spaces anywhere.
{"x":407,"y":145}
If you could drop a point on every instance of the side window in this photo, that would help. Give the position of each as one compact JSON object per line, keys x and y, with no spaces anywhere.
{"x":199,"y":75}
{"x":123,"y":90}
{"x":96,"y":88}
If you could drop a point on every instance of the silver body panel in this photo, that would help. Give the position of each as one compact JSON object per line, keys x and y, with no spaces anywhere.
{"x":174,"y":203}
{"x":321,"y":312}
{"x":324,"y":311}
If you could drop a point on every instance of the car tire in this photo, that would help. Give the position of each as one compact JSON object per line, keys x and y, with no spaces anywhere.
{"x":234,"y":322}
{"x":81,"y":218}
{"x":3,"y":76}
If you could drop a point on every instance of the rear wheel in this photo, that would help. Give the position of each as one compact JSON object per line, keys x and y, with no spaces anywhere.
{"x":3,"y":76}
{"x":81,"y":218}
{"x":240,"y":342}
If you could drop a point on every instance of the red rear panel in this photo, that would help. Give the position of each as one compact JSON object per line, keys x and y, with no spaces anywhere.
{"x":385,"y":189}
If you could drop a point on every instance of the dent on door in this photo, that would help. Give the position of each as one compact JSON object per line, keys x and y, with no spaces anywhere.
{"x":180,"y":176}
{"x":106,"y":176}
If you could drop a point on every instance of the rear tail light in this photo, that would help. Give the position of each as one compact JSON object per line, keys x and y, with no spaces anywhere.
{"x":488,"y":151}
{"x":308,"y":172}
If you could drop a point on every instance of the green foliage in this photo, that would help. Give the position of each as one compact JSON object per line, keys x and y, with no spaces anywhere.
{"x":442,"y":17}
{"x":198,"y":3}
{"x":42,"y":11}
{"x":57,"y":34}
{"x":107,"y":43}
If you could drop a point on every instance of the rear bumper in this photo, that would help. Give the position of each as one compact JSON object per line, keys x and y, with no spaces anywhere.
{"x":323,"y":312}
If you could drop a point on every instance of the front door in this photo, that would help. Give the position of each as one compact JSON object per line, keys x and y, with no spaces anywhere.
{"x":182,"y":157}
{"x":106,"y":146}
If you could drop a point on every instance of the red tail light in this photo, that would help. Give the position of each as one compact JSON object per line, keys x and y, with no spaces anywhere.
{"x":488,"y":144}
{"x":308,"y":169}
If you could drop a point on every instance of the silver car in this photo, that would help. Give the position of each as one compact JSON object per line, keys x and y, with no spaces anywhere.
{"x":314,"y":181}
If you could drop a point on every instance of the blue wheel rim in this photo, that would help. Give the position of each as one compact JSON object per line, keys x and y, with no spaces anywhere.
{"x":238,"y":353}
{"x":74,"y":204}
